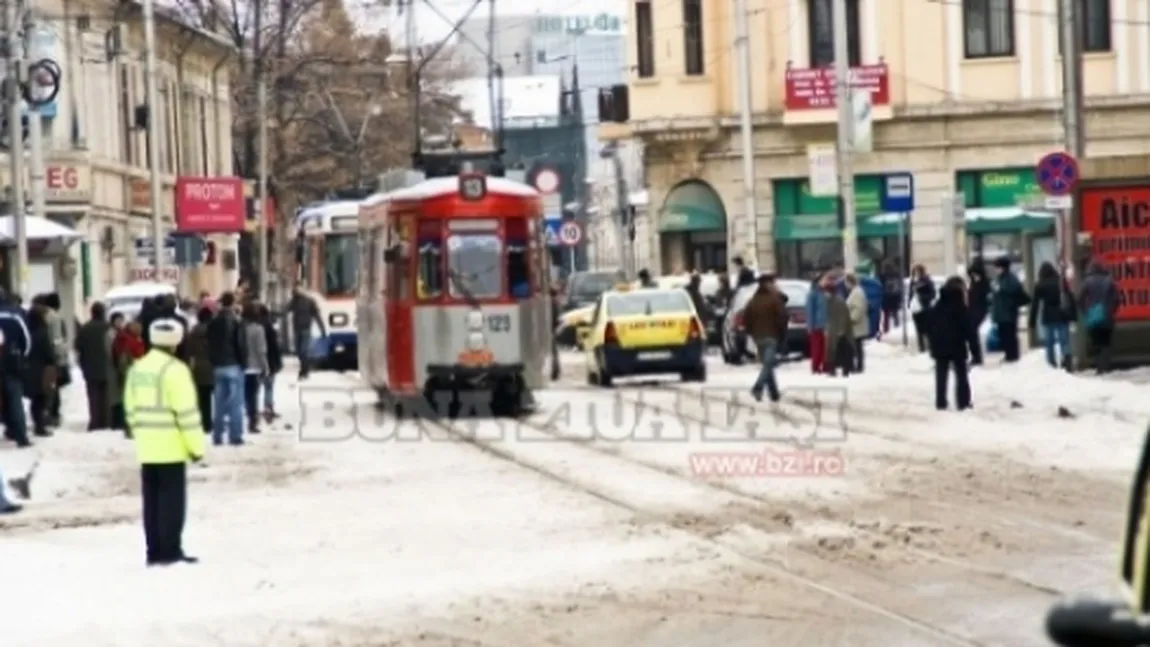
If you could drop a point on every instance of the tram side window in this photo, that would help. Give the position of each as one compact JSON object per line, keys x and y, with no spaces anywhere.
{"x":430,"y":281}
{"x":519,"y":274}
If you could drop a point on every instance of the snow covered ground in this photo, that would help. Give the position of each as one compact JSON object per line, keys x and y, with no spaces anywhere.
{"x":944,"y":527}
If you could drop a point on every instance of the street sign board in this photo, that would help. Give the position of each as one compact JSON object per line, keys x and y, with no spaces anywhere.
{"x":553,"y":221}
{"x":1057,"y":173}
{"x":570,"y":234}
{"x":145,"y":251}
{"x":824,"y":179}
{"x":898,"y":193}
{"x":546,"y":181}
{"x":1059,"y":202}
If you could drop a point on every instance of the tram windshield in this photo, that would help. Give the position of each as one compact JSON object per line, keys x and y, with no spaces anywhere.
{"x":340,"y":264}
{"x":477,"y":260}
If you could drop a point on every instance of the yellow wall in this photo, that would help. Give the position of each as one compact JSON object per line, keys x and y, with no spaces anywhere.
{"x":922,"y":42}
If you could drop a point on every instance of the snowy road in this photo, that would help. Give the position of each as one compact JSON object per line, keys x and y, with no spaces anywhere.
{"x":597,"y":527}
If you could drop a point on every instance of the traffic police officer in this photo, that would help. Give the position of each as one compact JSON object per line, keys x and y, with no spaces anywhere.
{"x":163,"y":417}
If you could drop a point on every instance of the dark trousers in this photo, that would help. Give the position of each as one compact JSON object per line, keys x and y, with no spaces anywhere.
{"x":942,"y":370}
{"x":975,"y":342}
{"x":15,"y":424}
{"x":119,"y":420}
{"x":1100,"y":344}
{"x":1008,"y":338}
{"x":204,"y":399}
{"x":165,"y":490}
{"x":302,"y":348}
{"x":251,"y":399}
{"x":99,"y":406}
{"x":920,"y":333}
{"x":38,"y":407}
{"x":860,"y":355}
{"x":890,"y":315}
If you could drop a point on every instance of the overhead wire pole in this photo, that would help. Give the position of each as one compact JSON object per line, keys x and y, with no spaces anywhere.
{"x":262,"y":136}
{"x":1070,"y":37}
{"x":845,"y":144}
{"x":16,"y":144}
{"x":36,"y":186}
{"x":155,"y":189}
{"x":747,"y":131}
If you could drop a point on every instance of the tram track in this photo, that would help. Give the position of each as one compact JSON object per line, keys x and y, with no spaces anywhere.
{"x":752,"y":510}
{"x":701,"y":531}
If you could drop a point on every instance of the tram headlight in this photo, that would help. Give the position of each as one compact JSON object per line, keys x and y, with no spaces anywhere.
{"x":476,"y":341}
{"x":475,"y":321}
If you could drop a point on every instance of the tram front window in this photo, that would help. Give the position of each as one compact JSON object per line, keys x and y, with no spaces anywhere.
{"x":340,"y":264}
{"x":475,"y":264}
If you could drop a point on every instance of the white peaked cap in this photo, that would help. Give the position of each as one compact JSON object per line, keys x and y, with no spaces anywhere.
{"x":166,"y":332}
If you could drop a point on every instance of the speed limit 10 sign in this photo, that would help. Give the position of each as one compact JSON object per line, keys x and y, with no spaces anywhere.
{"x":570,"y":234}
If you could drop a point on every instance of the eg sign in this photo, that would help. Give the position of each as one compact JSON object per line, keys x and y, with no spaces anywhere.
{"x":67,"y":183}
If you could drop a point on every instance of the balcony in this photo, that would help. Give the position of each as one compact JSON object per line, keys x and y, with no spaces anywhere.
{"x":809,"y":96}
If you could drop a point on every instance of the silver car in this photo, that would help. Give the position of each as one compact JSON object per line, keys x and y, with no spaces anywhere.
{"x":735,"y":344}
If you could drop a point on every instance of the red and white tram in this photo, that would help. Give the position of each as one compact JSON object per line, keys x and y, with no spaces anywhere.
{"x":454,"y":296}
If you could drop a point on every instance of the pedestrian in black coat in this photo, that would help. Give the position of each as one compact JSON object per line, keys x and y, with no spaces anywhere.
{"x":39,"y":369}
{"x":950,"y":331}
{"x":978,"y":302}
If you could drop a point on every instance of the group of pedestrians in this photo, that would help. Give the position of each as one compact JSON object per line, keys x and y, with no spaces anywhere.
{"x":838,"y":323}
{"x":951,"y":324}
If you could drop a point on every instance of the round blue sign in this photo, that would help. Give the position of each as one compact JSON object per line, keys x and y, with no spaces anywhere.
{"x":1057,"y":173}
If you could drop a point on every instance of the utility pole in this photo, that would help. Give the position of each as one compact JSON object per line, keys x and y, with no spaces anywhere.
{"x":262,"y":124}
{"x":16,"y":205}
{"x":1070,"y":37}
{"x":626,"y":224}
{"x":846,"y":201}
{"x":747,"y":133}
{"x":35,"y":135}
{"x":155,"y":189}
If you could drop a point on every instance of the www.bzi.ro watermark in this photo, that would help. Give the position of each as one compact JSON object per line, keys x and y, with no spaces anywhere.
{"x":710,"y":415}
{"x":767,"y":463}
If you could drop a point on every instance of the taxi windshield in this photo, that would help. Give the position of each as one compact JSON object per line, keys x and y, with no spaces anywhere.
{"x":648,"y":302}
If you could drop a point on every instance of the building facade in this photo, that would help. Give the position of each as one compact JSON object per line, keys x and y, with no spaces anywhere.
{"x":965,"y":94}
{"x":553,"y":45}
{"x":96,"y":178}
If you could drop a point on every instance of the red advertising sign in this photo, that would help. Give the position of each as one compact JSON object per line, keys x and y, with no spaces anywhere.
{"x":814,"y":89}
{"x":207,"y":205}
{"x":1118,"y":221}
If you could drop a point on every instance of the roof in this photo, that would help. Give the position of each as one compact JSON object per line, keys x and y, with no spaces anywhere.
{"x":441,"y":186}
{"x":524,"y":97}
{"x":327,"y":209}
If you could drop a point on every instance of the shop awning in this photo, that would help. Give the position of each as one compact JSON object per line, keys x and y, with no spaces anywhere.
{"x":997,"y":220}
{"x":692,"y":206}
{"x":882,"y":224}
{"x":37,"y":228}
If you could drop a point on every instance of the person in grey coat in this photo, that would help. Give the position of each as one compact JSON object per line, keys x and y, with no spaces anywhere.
{"x":94,"y":354}
{"x":303,"y":312}
{"x":1098,"y":302}
{"x":257,"y":365}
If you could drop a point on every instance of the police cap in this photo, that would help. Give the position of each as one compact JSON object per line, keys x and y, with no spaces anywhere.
{"x":166,"y":332}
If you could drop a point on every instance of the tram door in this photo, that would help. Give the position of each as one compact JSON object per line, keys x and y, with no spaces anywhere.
{"x":399,"y":310}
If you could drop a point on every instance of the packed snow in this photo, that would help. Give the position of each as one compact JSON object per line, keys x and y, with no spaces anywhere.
{"x":599,"y":534}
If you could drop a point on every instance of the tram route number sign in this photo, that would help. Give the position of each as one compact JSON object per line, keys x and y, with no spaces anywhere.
{"x":570,"y":234}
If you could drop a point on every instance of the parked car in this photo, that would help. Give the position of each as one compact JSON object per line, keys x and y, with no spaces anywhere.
{"x":735,"y":345}
{"x":128,"y":299}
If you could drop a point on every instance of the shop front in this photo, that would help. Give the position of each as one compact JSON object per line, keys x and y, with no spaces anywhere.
{"x":693,"y":229}
{"x":808,"y":235}
{"x":1002,"y":206}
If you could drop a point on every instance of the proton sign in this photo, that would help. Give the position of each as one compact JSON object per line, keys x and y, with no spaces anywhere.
{"x":210,"y":205}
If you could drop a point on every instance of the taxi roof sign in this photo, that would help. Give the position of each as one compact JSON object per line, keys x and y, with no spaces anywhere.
{"x":472,"y":186}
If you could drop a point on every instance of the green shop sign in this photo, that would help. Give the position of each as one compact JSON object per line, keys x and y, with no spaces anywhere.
{"x":603,"y":23}
{"x":868,"y":198}
{"x":802,"y":216}
{"x":999,"y":188}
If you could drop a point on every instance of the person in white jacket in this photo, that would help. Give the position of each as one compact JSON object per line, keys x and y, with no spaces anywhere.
{"x":860,"y":317}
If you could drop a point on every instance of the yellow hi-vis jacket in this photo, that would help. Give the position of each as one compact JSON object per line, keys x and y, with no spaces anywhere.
{"x":161,"y":410}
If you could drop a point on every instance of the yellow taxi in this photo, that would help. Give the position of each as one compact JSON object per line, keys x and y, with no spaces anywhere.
{"x":644,"y":332}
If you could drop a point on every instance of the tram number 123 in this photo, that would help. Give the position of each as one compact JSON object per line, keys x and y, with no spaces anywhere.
{"x":499,"y":323}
